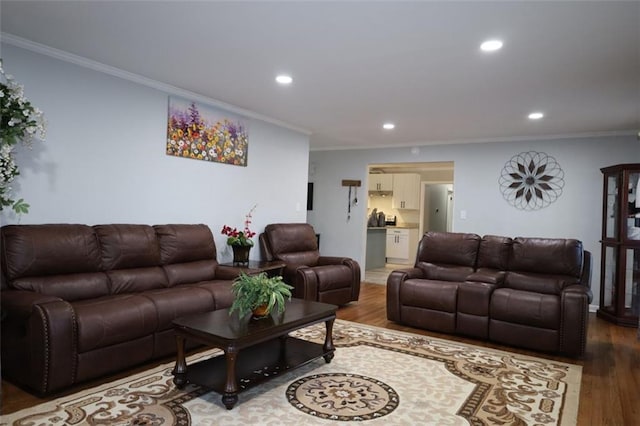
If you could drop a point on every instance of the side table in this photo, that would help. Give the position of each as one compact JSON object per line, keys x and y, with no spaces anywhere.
{"x":272,"y":268}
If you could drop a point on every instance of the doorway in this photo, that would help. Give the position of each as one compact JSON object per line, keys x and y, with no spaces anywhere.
{"x":437,"y":207}
{"x":380,"y":199}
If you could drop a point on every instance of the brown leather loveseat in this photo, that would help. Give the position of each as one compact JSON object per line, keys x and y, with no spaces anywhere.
{"x":527,"y":292}
{"x":82,"y":301}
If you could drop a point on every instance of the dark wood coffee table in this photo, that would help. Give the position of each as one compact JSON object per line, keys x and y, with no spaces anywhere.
{"x":255,"y":350}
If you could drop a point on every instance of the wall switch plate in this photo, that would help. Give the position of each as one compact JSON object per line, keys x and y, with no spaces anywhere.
{"x":463,"y":214}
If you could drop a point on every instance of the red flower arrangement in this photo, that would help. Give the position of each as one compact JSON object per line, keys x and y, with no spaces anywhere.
{"x":240,"y":238}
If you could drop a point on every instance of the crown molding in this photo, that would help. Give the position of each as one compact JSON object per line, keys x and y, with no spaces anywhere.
{"x":62,"y":55}
{"x":541,"y":138}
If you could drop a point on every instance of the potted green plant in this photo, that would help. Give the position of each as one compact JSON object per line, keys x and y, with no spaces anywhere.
{"x":259,"y":294}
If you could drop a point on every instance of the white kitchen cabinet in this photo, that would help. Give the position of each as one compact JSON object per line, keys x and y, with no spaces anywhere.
{"x":406,"y":191}
{"x":380,"y":182}
{"x":402,"y":245}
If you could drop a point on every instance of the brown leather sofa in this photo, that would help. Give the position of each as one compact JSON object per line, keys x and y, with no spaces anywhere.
{"x":527,"y":292}
{"x":325,"y":279}
{"x":81,"y":301}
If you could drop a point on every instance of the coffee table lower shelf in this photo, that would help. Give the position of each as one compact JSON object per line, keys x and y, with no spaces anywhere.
{"x":263,"y":362}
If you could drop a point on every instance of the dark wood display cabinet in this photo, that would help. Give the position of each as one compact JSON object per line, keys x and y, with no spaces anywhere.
{"x":620,"y":263}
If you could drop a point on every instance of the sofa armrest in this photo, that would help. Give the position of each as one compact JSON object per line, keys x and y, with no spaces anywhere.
{"x":227,"y":272}
{"x":19,"y":304}
{"x":39,"y":341}
{"x":305,"y":285}
{"x":353,"y":266}
{"x":574,"y":319}
{"x":394,"y":281}
{"x":585,"y":277}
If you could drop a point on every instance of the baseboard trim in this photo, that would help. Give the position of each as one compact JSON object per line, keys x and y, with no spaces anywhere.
{"x":593,"y":308}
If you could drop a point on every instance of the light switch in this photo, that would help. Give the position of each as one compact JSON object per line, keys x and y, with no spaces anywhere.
{"x":463,"y":214}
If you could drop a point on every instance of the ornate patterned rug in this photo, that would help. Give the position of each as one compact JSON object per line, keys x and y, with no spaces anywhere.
{"x":378,"y":376}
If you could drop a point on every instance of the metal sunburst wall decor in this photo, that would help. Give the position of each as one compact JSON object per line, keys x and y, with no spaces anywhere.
{"x":531,"y":180}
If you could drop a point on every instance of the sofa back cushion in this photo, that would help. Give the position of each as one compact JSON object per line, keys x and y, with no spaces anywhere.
{"x":128,"y":246}
{"x":448,"y":248}
{"x":61,"y":260}
{"x":555,"y":256}
{"x":447,"y":256}
{"x":36,"y":250}
{"x":130,"y":257}
{"x":494,"y":252}
{"x":185,"y":243}
{"x":544,"y":265}
{"x":188,"y":253}
{"x":294,"y":243}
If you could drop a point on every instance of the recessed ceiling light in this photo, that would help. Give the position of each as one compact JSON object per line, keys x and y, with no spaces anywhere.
{"x":491,"y":45}
{"x":536,"y":116}
{"x":388,"y":126}
{"x":284,"y":79}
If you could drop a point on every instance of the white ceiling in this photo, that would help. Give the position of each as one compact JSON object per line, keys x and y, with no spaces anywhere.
{"x":358,"y":64}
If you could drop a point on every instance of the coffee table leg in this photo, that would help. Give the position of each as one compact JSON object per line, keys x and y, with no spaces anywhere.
{"x":230,"y":396}
{"x":328,"y":341}
{"x":180,"y":369}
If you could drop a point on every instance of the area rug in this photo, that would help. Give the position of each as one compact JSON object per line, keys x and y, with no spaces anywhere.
{"x":377,"y":376}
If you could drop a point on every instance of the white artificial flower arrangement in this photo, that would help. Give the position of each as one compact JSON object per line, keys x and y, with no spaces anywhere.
{"x":19,"y":122}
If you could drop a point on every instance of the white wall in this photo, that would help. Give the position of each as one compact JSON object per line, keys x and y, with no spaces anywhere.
{"x":103,"y":160}
{"x":576,"y":214}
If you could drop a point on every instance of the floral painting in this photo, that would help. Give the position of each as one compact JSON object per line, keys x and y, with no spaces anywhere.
{"x":205,"y":133}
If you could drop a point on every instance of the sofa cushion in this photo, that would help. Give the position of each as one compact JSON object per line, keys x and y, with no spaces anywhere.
{"x":185,"y":243}
{"x":128,"y":246}
{"x":291,"y":238}
{"x":136,"y":280}
{"x":171,"y":303}
{"x":448,"y":248}
{"x":333,"y":277}
{"x":220,"y":291}
{"x":69,"y":287}
{"x":41,"y":250}
{"x":306,"y":258}
{"x":445,"y":272}
{"x":553,"y":256}
{"x":493,"y":252}
{"x":429,"y":294}
{"x":525,"y":307}
{"x":190,"y":272}
{"x":539,"y":283}
{"x":113,"y":319}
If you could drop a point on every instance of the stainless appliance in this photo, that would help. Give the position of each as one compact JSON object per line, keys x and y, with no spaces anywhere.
{"x":390,"y":220}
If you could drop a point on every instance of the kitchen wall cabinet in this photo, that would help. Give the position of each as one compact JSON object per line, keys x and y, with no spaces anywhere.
{"x":380,"y":182}
{"x":406,"y":191}
{"x":402,"y":245}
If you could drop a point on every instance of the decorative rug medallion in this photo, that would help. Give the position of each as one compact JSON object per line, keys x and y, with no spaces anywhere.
{"x":378,"y":377}
{"x":342,"y":397}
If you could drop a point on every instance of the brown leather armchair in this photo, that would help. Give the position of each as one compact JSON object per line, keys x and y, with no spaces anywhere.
{"x":326,"y":279}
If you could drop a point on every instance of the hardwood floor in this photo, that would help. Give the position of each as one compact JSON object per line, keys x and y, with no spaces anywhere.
{"x":610,"y":378}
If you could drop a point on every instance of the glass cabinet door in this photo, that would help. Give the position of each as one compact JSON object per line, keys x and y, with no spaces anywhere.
{"x":608,"y":292}
{"x":632,"y":224}
{"x":631,"y":277}
{"x":611,"y":213}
